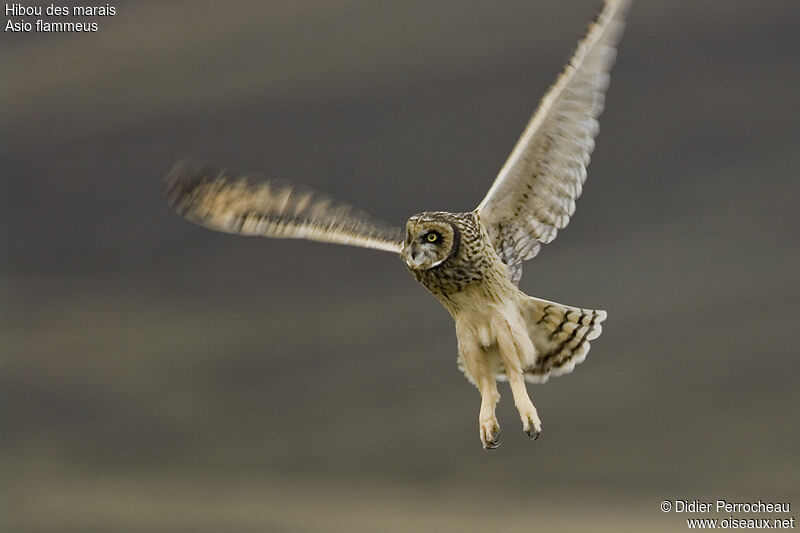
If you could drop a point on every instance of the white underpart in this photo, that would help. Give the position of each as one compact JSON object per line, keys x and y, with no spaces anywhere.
{"x":492,"y":336}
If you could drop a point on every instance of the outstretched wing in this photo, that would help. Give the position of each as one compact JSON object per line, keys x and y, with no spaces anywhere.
{"x":250,"y":205}
{"x":534,"y":194}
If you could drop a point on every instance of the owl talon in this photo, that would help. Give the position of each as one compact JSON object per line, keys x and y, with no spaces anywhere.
{"x":531,"y":424}
{"x":491,"y":445}
{"x":493,"y":442}
{"x":490,"y":435}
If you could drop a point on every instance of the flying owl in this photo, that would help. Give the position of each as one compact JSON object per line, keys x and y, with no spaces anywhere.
{"x":471,"y":262}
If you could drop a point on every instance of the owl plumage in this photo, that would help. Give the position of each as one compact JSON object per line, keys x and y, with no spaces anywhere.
{"x":471,"y":262}
{"x":503,"y":334}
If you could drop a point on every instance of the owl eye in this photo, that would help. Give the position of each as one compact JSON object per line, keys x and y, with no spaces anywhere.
{"x":433,"y":236}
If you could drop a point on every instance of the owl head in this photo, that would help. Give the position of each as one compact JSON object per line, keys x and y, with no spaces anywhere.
{"x":431,"y":239}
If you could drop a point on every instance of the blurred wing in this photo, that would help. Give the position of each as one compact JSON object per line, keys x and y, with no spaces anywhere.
{"x":534,"y":194}
{"x":249,"y":205}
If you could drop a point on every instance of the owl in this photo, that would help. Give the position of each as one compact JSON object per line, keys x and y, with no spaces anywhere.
{"x":471,"y":262}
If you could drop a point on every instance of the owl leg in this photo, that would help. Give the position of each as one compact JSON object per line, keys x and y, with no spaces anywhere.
{"x":514,"y":345}
{"x":477,"y":367}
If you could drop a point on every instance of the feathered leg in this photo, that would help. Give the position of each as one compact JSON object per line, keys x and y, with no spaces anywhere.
{"x":515,"y":349}
{"x":478,"y":369}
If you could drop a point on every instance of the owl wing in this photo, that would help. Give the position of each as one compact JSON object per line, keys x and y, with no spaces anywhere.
{"x":534,"y":194}
{"x":231,"y":202}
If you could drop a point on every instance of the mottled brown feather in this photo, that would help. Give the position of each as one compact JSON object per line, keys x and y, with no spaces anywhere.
{"x":248,"y":204}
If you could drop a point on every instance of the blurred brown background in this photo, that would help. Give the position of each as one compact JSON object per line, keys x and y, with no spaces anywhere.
{"x":157,"y":376}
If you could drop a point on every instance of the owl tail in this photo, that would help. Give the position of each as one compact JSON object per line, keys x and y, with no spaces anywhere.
{"x":561,"y":335}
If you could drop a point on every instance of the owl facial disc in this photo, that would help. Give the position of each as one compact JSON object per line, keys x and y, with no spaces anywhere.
{"x":430,"y":241}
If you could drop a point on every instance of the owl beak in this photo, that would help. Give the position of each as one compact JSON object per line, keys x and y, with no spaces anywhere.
{"x":410,"y":258}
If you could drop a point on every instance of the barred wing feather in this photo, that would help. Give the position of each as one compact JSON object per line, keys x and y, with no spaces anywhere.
{"x":247,"y":204}
{"x":534,"y":194}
